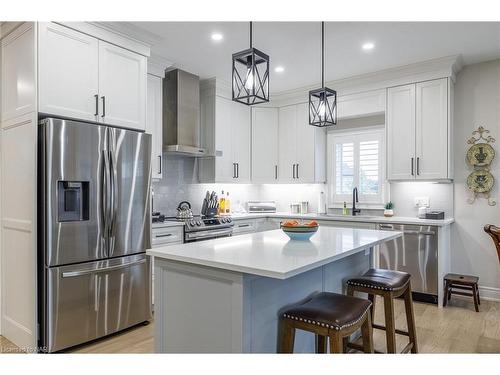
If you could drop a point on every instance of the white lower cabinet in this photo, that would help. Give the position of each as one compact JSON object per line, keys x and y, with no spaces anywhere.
{"x":154,"y":124}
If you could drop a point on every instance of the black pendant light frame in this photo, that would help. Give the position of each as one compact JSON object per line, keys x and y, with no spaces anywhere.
{"x":323,"y":101}
{"x":250,"y":75}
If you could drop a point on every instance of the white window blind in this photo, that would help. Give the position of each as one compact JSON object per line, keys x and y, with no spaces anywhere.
{"x":356,"y":160}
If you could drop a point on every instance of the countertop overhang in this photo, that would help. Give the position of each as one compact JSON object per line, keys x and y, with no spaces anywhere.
{"x":272,"y":254}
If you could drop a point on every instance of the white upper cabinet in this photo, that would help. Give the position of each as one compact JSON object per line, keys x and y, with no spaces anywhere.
{"x":154,"y":123}
{"x":400,"y":120}
{"x":226,"y":135}
{"x":122,"y":86}
{"x":264,"y":145}
{"x":68,"y":72}
{"x":18,"y":72}
{"x":302,"y":147}
{"x":432,"y":130}
{"x":418,"y":131}
{"x":85,"y":78}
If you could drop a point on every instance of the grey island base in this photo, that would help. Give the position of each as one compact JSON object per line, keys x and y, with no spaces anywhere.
{"x":225,"y":295}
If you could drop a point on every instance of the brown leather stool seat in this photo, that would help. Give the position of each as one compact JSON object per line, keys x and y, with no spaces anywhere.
{"x":327,"y":315}
{"x":389,"y":285}
{"x":381,"y":279}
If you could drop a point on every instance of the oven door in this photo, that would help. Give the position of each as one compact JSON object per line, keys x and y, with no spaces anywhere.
{"x":207,"y":234}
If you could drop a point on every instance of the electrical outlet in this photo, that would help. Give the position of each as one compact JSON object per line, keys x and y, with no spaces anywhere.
{"x":422,"y":202}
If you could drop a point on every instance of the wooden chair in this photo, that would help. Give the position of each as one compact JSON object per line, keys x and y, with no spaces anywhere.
{"x":494,"y":232}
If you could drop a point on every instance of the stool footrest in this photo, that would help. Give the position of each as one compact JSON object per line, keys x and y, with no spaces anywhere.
{"x":463,"y":287}
{"x":398,"y":331}
{"x":461,"y":293}
{"x":360,"y":348}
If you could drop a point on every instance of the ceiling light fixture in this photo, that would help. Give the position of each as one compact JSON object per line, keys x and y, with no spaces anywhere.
{"x":323,"y":101}
{"x":279,"y":69}
{"x":217,"y":37}
{"x":368,"y":46}
{"x":250,"y":75}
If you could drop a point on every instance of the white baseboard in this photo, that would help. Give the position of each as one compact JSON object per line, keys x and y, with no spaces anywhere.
{"x":489,"y":293}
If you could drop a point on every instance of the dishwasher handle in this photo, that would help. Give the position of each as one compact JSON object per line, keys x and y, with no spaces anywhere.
{"x":423,"y":232}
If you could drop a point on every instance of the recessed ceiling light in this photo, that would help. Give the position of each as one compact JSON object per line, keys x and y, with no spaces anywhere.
{"x":279,"y":69}
{"x":217,"y":36}
{"x":368,"y":46}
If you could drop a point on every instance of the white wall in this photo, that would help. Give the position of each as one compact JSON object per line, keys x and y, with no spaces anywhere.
{"x":477,"y":102}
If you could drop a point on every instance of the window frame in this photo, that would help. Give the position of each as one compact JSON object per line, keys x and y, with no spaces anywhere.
{"x":355,"y":136}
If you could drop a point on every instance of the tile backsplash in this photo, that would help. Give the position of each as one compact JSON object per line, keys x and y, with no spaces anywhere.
{"x":180,"y":183}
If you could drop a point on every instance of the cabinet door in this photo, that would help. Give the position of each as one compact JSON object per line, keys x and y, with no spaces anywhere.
{"x":154,"y":123}
{"x":240,"y":140}
{"x":224,"y":164}
{"x":401,"y":133}
{"x":287,"y":143}
{"x":264,"y":145}
{"x":68,"y":72}
{"x":18,"y":68}
{"x":305,"y":146}
{"x":432,"y":129}
{"x":122,"y":87}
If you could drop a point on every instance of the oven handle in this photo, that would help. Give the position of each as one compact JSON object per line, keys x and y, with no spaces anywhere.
{"x":208,"y":233}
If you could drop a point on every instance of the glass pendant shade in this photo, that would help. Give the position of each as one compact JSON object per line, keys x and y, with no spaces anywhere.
{"x":250,"y":77}
{"x":323,"y":107}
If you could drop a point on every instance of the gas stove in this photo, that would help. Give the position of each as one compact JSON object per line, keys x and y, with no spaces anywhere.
{"x":200,"y":228}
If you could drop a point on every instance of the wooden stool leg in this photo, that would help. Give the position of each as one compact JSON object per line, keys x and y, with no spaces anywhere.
{"x":446,"y":290}
{"x":410,"y":319}
{"x":367,"y":333}
{"x":336,"y":345}
{"x":477,"y":291}
{"x":475,"y":295}
{"x":320,"y":344}
{"x":390,"y":328}
{"x":287,"y":337}
{"x":450,"y":287}
{"x":372,"y":298}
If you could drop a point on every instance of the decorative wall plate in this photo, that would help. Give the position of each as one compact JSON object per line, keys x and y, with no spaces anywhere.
{"x":480,"y":155}
{"x":480,"y":181}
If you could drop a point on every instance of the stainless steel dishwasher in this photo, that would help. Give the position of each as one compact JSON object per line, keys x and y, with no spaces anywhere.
{"x":415,"y":253}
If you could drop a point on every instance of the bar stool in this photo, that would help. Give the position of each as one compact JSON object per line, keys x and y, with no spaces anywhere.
{"x":389,"y":285}
{"x":327,"y":315}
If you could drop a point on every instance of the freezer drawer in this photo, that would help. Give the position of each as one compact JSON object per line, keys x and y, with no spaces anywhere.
{"x":90,"y":300}
{"x":416,"y":253}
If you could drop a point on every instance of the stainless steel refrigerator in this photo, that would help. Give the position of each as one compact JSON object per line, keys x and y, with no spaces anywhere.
{"x":94,"y":194}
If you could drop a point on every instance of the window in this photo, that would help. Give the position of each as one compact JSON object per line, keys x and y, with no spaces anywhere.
{"x":356,"y":159}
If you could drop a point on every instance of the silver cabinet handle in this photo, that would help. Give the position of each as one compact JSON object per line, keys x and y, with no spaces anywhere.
{"x":237,"y":170}
{"x":297,"y":167}
{"x":234,"y":170}
{"x":163,"y":235}
{"x":412,"y":160}
{"x":103,"y":98}
{"x":243,"y":225}
{"x":111,"y":268}
{"x":418,"y":166}
{"x":275,"y":172}
{"x":159,"y":168}
{"x":293,"y":170}
{"x":386,"y":227}
{"x":96,"y":105}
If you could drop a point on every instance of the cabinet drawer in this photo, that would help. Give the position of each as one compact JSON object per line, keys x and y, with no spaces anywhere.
{"x":167,"y":236}
{"x":244,"y":226}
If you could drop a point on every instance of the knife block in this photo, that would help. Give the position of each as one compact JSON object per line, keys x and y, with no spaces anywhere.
{"x":210,"y":212}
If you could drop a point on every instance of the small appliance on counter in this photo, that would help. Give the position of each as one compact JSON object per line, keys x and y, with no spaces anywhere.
{"x":422,"y":212}
{"x":304,"y":207}
{"x":261,"y":206}
{"x":435,"y":215}
{"x":184,"y":210}
{"x":295,"y":208}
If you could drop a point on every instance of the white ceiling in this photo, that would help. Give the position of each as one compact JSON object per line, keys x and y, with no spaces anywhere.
{"x":296,"y":46}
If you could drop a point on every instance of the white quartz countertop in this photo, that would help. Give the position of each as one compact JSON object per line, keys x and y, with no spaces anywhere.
{"x":272,"y":254}
{"x":360,"y":218}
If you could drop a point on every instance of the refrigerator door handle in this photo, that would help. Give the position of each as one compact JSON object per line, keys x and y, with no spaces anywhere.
{"x":105,"y":199}
{"x":104,"y":269}
{"x":113,"y":199}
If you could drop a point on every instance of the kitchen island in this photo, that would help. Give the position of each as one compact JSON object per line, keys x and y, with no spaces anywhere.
{"x":224,"y":295}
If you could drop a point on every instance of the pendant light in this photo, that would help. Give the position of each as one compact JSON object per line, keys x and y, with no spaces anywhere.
{"x":323,"y":101}
{"x":250,"y":75}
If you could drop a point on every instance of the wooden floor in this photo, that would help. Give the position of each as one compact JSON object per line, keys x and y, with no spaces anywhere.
{"x":454,"y":329}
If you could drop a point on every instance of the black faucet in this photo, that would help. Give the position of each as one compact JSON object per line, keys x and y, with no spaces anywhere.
{"x":354,"y":200}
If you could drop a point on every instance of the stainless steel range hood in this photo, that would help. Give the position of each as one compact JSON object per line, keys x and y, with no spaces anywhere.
{"x":181,"y":114}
